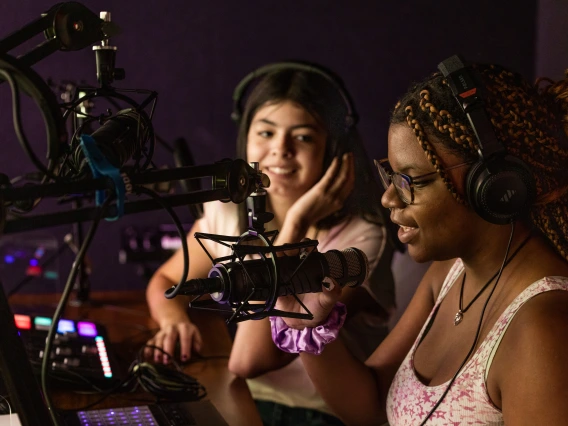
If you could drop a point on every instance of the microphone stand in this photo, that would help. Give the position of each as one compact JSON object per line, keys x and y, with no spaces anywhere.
{"x":82,"y":285}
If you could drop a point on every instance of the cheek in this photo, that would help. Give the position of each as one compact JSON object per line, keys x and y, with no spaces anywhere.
{"x":251,"y":155}
{"x":254,"y":152}
{"x":314,"y":166}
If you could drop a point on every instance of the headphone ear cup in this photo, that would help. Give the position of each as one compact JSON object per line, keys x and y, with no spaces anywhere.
{"x":236,"y":117}
{"x":500,"y":189}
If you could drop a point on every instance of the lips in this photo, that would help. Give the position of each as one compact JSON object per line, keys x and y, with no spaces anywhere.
{"x":280,"y":170}
{"x":406,"y":233}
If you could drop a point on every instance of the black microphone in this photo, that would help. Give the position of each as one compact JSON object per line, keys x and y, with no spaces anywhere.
{"x":118,"y":139}
{"x":234,"y":282}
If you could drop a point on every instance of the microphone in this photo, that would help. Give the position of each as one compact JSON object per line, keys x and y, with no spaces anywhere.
{"x":118,"y":139}
{"x":234,"y":282}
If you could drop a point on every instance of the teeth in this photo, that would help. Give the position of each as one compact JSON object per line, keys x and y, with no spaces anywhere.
{"x":281,"y":170}
{"x":406,"y":228}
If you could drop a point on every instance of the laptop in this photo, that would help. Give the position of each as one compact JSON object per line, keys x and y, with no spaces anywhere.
{"x":194,"y":413}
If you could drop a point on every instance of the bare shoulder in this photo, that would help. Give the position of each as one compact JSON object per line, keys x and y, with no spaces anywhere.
{"x":436,"y":274}
{"x":542,"y":318}
{"x":532,"y":369}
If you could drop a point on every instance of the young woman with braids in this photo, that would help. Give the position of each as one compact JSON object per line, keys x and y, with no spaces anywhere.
{"x":484,"y":339}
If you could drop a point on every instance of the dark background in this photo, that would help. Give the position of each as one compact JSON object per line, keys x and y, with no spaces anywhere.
{"x":194,"y":54}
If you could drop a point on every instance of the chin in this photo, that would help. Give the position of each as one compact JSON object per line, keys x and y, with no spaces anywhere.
{"x":418,"y":256}
{"x":421,"y":254}
{"x":278,"y":191}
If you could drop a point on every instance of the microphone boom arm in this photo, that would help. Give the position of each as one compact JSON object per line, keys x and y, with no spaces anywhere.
{"x":66,"y":26}
{"x":232,"y":180}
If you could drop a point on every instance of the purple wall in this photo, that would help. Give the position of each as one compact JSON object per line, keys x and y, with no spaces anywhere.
{"x":194,"y":53}
{"x":551,"y":39}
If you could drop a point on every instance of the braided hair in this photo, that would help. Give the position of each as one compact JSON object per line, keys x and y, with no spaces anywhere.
{"x":529,"y":120}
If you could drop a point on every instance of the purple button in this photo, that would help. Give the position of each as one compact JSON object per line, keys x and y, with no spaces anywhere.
{"x":86,"y":329}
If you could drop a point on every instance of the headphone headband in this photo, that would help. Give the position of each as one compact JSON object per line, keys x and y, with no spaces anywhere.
{"x":351,"y":117}
{"x":469,"y":92}
{"x":499,"y":186}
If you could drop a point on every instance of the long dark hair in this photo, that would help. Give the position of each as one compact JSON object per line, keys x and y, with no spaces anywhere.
{"x":322,"y":100}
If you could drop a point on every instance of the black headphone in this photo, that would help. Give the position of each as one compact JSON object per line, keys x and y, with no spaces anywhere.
{"x":350,"y":119}
{"x":499,"y":186}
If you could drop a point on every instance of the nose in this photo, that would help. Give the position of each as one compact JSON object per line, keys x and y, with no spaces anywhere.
{"x":282,"y":145}
{"x":391,"y":200}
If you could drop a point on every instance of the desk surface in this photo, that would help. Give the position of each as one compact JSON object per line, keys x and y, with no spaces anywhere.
{"x":126,"y":317}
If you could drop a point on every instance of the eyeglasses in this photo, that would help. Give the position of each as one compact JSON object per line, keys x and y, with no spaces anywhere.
{"x":404,"y":184}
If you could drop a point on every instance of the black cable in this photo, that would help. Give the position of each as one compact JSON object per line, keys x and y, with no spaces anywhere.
{"x":182,"y":236}
{"x":505,"y":262}
{"x":165,"y":382}
{"x":18,"y":127}
{"x":63,"y":302}
{"x":123,"y":384}
{"x":176,"y":384}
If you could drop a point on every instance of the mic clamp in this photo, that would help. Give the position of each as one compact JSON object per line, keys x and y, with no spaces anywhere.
{"x":251,"y":286}
{"x":256,"y":202}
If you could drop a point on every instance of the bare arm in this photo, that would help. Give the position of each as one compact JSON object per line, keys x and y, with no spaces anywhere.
{"x":171,"y":314}
{"x":253,"y":351}
{"x":357,"y":392}
{"x":530,"y":365}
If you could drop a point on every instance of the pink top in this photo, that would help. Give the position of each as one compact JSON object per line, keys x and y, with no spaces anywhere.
{"x":467,"y":402}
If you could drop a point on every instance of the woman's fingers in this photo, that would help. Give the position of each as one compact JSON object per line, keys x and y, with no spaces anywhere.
{"x":342,"y":184}
{"x":148,"y":350}
{"x":163,"y":344}
{"x":190,"y":340}
{"x":327,"y":180}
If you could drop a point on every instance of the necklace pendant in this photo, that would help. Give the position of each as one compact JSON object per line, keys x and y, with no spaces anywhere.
{"x":458,"y":318}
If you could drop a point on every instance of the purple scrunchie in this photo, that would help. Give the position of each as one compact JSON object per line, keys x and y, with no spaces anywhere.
{"x":311,"y":339}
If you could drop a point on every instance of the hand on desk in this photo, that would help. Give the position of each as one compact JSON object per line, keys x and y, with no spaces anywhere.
{"x":167,"y":337}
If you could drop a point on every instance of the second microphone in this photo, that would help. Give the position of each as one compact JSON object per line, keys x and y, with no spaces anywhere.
{"x":251,"y":280}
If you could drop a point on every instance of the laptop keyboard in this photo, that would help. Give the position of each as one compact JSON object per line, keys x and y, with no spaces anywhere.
{"x":170,"y":414}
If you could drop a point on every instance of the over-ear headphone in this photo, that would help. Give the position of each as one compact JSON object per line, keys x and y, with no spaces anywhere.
{"x":350,"y":119}
{"x":499,"y":186}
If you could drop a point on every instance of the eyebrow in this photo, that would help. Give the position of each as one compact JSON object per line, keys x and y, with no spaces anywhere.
{"x":298,"y":126}
{"x":408,"y":169}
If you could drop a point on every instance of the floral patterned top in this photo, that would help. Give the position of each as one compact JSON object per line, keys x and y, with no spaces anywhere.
{"x":467,"y":402}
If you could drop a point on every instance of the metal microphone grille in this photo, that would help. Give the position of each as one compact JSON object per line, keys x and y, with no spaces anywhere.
{"x":357,"y":266}
{"x":335,"y":266}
